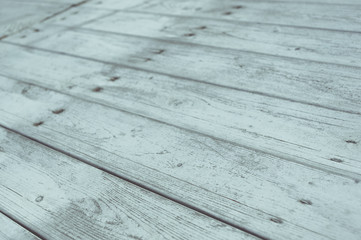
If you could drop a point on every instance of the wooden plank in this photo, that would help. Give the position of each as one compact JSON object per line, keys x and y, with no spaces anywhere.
{"x":62,"y":198}
{"x":16,"y":16}
{"x":305,"y":43}
{"x":251,"y":119}
{"x":9,"y":230}
{"x":262,"y":193}
{"x":314,"y":44}
{"x":329,"y":86}
{"x":307,"y":134}
{"x":335,"y":2}
{"x":315,"y":15}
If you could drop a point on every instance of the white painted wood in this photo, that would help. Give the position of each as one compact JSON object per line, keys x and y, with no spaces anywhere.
{"x":16,"y":16}
{"x":251,"y":189}
{"x":305,"y":43}
{"x":62,"y":198}
{"x":326,"y":85}
{"x":307,"y":134}
{"x":296,"y":13}
{"x":10,"y":230}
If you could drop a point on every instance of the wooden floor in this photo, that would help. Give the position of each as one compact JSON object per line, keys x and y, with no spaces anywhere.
{"x":169,"y":119}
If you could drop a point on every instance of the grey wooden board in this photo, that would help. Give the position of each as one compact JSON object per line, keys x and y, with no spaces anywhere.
{"x":311,"y":44}
{"x":298,"y":13}
{"x":268,"y":195}
{"x":10,"y":230}
{"x":308,"y":134}
{"x":326,"y":85}
{"x":62,"y":198}
{"x":18,"y":15}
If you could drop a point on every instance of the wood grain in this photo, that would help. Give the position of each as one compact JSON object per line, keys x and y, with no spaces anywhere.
{"x":294,"y":131}
{"x":9,"y":230}
{"x":329,"y":86}
{"x":62,"y":198}
{"x":16,"y":16}
{"x":291,"y":13}
{"x":305,"y":43}
{"x":268,"y":195}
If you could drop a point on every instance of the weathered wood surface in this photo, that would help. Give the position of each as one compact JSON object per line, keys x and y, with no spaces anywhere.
{"x":18,"y":15}
{"x":248,"y":111}
{"x":325,"y":85}
{"x":9,"y":230}
{"x":61,"y":198}
{"x":335,"y":16}
{"x":307,"y":134}
{"x":268,"y":195}
{"x":305,"y":43}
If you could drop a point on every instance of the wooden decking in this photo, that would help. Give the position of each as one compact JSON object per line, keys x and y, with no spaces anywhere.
{"x":168,"y":119}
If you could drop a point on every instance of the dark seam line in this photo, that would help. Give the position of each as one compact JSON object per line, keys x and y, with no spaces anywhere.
{"x":64,"y":10}
{"x":186,"y":78}
{"x":319,"y":166}
{"x":138,"y":184}
{"x":132,"y":10}
{"x":23,"y":225}
{"x":90,"y":30}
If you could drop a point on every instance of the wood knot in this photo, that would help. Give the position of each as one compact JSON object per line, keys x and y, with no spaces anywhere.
{"x":351,"y":141}
{"x":237,"y":7}
{"x":39,"y":199}
{"x":227,"y":13}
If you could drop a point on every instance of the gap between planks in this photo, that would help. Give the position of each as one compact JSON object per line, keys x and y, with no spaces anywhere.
{"x":111,"y":190}
{"x":22,"y":230}
{"x":30,"y":130}
{"x":136,"y":183}
{"x":186,"y":78}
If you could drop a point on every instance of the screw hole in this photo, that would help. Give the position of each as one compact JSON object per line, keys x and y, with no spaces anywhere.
{"x":276,"y":220}
{"x":306,"y":202}
{"x":113,"y":79}
{"x":202,"y":27}
{"x":97,"y":89}
{"x":189,"y":34}
{"x":336,"y":160}
{"x":58,"y":111}
{"x":160,"y":51}
{"x":38,"y":123}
